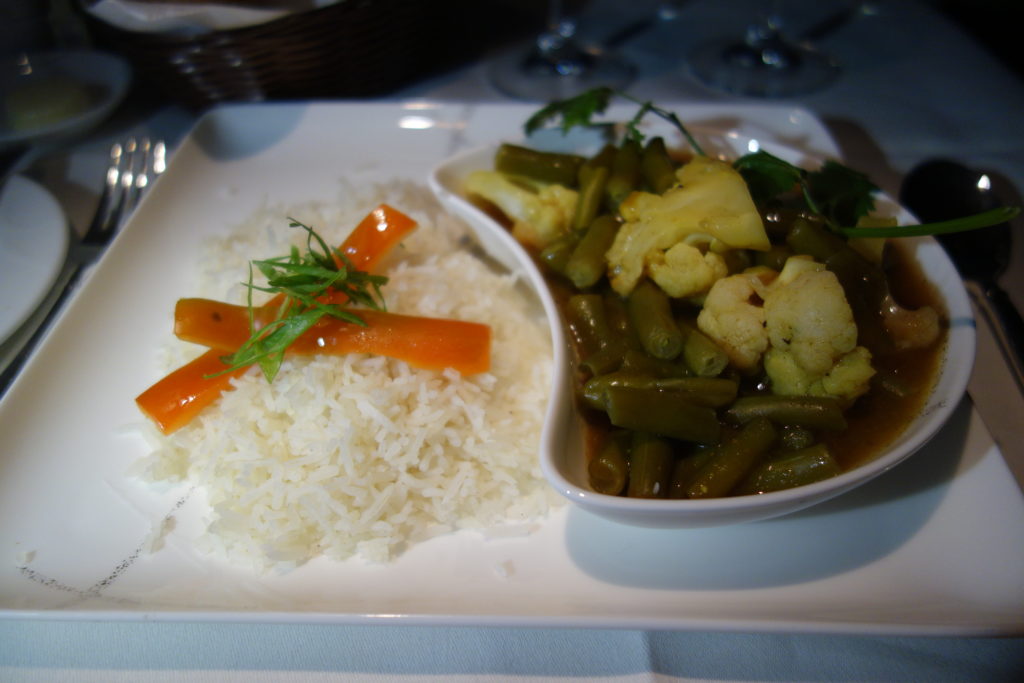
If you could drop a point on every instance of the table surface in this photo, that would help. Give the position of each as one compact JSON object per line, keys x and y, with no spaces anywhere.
{"x":914,"y":86}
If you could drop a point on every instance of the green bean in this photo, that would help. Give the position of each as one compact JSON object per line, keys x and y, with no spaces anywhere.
{"x":625,"y":176}
{"x":710,"y":392}
{"x":686,"y":469}
{"x":618,"y":319}
{"x":704,"y":357}
{"x":545,"y":167}
{"x":605,"y":157}
{"x":609,"y":470}
{"x":666,"y":413}
{"x":590,"y":198}
{"x":808,"y":238}
{"x":805,"y":466}
{"x":812,"y":412}
{"x":651,"y":315}
{"x":640,"y":363}
{"x":607,"y":359}
{"x":794,"y":438}
{"x":587,"y":265}
{"x":556,"y":255}
{"x":732,"y":460}
{"x":774,"y":258}
{"x":585,"y":315}
{"x":650,"y":466}
{"x":657,"y":166}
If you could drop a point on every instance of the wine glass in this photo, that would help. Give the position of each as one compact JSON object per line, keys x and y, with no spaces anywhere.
{"x":555,"y":65}
{"x":764,"y":62}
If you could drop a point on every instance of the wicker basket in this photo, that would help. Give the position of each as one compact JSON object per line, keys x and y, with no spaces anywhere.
{"x":354,"y":48}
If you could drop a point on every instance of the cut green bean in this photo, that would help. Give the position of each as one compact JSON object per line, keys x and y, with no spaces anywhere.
{"x":799,"y":468}
{"x":650,"y":466}
{"x":665,"y":413}
{"x":794,"y":438}
{"x":812,"y":412}
{"x":686,"y":469}
{"x":556,"y":255}
{"x":585,"y":315}
{"x":732,"y":460}
{"x":590,"y":199}
{"x":609,"y":471}
{"x":625,"y":175}
{"x":808,"y":238}
{"x":587,"y":265}
{"x":710,"y":392}
{"x":657,"y":166}
{"x":544,"y":167}
{"x":704,"y":357}
{"x":609,"y":358}
{"x":650,"y":313}
{"x":640,"y":363}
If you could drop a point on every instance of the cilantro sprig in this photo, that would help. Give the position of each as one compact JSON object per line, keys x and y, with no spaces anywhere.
{"x":837,"y":193}
{"x":302,"y":279}
{"x":580,"y":111}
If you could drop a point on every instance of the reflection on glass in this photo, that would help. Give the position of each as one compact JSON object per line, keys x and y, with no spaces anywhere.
{"x":764,"y":62}
{"x":555,"y":65}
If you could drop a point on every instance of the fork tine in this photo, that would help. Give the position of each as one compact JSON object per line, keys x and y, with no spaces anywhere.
{"x":111,"y":185}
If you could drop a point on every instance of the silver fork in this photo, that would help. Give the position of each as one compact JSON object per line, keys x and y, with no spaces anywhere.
{"x":133,"y":165}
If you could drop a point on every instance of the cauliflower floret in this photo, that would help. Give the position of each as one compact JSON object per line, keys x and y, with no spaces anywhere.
{"x":848,"y":379}
{"x":734,"y":318}
{"x":538,"y":218}
{"x":684,"y":271}
{"x":813,"y":336}
{"x":910,"y":328}
{"x":711,"y":205}
{"x":807,"y":315}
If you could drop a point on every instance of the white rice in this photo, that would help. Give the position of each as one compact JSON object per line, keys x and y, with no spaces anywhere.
{"x":359,"y":454}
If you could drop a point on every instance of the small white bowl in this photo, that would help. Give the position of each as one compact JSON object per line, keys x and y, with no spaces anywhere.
{"x":81,"y":88}
{"x":562,"y":450}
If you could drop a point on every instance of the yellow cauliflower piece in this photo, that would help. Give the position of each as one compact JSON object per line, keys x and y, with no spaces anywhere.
{"x":538,"y":217}
{"x":812,"y":334}
{"x":734,"y":318}
{"x":711,"y":205}
{"x":849,"y":378}
{"x":684,"y":270}
{"x":807,"y":314}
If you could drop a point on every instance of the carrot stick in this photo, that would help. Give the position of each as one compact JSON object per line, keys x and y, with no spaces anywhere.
{"x":173,"y":401}
{"x":433,"y":343}
{"x":177,"y":398}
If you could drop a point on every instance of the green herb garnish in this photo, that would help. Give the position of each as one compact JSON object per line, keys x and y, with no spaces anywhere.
{"x":579,"y":111}
{"x":839,"y":194}
{"x":302,"y":278}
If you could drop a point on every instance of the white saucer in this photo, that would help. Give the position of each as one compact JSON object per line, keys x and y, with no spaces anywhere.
{"x":33,"y":244}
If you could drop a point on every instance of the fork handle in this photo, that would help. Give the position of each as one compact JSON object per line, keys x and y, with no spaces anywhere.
{"x":31,"y":333}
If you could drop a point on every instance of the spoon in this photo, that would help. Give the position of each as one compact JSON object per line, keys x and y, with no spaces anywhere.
{"x":940,"y":190}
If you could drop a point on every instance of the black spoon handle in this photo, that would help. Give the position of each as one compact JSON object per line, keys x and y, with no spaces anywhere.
{"x":1006,"y":323}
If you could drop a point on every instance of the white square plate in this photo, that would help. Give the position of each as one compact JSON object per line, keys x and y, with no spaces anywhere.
{"x":932,"y":547}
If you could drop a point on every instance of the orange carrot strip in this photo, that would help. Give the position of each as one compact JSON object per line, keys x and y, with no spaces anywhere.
{"x":173,"y":401}
{"x":432,"y":343}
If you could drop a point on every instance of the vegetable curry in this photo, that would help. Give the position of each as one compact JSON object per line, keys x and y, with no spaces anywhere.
{"x":734,"y":330}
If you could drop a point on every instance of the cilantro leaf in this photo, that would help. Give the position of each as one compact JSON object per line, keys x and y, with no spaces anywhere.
{"x":767,"y":176}
{"x":840,"y":193}
{"x":575,"y":111}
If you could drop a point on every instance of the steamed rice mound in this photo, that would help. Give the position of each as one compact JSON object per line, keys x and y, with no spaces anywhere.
{"x":359,"y":454}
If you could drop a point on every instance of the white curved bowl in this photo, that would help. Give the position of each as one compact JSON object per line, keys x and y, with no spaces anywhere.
{"x":562,"y":453}
{"x":105,"y":78}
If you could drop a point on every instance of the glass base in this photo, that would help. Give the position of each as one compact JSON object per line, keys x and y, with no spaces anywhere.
{"x":526,"y":73}
{"x":774,"y":68}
